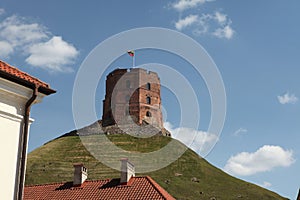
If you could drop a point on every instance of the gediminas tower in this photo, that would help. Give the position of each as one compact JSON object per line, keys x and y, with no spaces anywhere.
{"x":132,"y":94}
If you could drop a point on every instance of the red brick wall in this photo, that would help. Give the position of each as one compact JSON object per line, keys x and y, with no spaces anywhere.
{"x":133,"y":83}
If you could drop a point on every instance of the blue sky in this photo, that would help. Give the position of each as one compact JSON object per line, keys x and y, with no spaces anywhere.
{"x":254,"y":44}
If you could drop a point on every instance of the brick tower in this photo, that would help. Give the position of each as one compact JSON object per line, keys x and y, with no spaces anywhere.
{"x":132,"y":95}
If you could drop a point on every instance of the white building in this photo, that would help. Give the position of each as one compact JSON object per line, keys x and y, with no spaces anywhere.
{"x":18,"y":91}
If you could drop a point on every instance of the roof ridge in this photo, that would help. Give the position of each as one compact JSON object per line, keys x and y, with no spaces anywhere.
{"x":25,"y":73}
{"x":18,"y":76}
{"x":63,"y":182}
{"x":46,"y":184}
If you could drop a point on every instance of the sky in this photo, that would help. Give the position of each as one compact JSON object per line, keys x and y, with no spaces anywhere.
{"x":253,"y":44}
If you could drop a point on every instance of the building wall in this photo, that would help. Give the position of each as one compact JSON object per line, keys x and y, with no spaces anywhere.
{"x":154,"y":93}
{"x":126,"y":97}
{"x":13,"y":98}
{"x":111,"y":81}
{"x":8,"y":154}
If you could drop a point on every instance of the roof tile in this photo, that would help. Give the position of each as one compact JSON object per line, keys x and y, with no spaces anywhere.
{"x":17,"y":75}
{"x":139,"y":188}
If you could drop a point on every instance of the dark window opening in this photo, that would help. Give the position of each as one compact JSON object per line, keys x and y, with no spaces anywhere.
{"x":148,"y":86}
{"x":126,"y":111}
{"x":148,"y":114}
{"x":128,"y":84}
{"x":148,"y":100}
{"x":127,"y":98}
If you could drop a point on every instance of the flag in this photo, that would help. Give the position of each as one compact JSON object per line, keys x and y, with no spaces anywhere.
{"x":131,"y":53}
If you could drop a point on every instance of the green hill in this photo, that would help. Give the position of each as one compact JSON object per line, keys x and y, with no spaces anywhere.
{"x":190,"y":177}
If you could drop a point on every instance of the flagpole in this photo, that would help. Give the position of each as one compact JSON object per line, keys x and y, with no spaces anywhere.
{"x":133,"y":61}
{"x":131,"y":54}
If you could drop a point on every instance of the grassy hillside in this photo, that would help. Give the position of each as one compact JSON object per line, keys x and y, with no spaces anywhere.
{"x":190,"y":177}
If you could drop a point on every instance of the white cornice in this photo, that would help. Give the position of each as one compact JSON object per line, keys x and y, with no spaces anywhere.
{"x":15,"y":90}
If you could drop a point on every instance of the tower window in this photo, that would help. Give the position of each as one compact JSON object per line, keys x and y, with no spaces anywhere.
{"x":148,"y":114}
{"x":126,"y":111}
{"x":148,"y":100}
{"x":128,"y":84}
{"x":127,"y":98}
{"x":148,"y":86}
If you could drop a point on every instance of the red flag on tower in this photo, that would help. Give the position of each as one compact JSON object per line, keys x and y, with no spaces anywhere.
{"x":131,"y":53}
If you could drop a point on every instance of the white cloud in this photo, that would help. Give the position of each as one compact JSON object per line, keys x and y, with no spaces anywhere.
{"x":203,"y":25}
{"x":2,"y":11}
{"x":240,"y":131}
{"x":264,"y":159}
{"x":21,"y":36}
{"x":266,"y":184}
{"x":182,"y":5}
{"x":224,"y":32}
{"x":199,"y":141}
{"x":5,"y":49}
{"x":187,"y":21}
{"x":220,"y":18}
{"x":52,"y":55}
{"x":18,"y":32}
{"x":218,"y":25}
{"x":287,"y":98}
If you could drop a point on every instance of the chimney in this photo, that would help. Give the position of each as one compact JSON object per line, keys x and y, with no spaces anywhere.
{"x":80,"y":174}
{"x":127,"y":170}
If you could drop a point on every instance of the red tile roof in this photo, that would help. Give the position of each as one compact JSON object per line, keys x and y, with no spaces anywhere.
{"x":137,"y":188}
{"x":15,"y":75}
